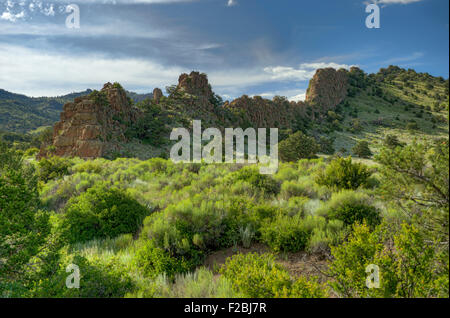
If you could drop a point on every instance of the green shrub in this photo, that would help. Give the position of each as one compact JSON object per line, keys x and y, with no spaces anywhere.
{"x":408,"y":268}
{"x":342,"y":173}
{"x":100,"y":212}
{"x":258,"y":276}
{"x":362,"y":150}
{"x":53,"y":167}
{"x":295,"y":189}
{"x":262,"y":182}
{"x":298,"y":146}
{"x":200,"y":284}
{"x":351,"y":207}
{"x":391,"y":141}
{"x":97,"y":280}
{"x":323,"y":238}
{"x":154,"y":261}
{"x":285,"y":234}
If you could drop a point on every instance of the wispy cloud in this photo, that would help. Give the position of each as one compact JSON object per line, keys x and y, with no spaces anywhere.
{"x":231,"y":3}
{"x":303,"y":73}
{"x":402,"y":59}
{"x":388,"y":2}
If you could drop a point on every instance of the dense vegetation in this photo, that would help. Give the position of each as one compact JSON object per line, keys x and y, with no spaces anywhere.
{"x":146,"y":228}
{"x":153,"y":228}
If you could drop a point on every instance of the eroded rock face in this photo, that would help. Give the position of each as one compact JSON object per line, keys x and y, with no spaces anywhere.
{"x":195,"y":84}
{"x":93,"y":125}
{"x":327,"y":89}
{"x":260,"y":112}
{"x":157,"y":94}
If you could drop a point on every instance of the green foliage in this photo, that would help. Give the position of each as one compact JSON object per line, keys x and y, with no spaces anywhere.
{"x":342,"y":173}
{"x":100,"y":212}
{"x":153,"y":261}
{"x":262,"y":182}
{"x":285,"y":233}
{"x":98,"y":279}
{"x":258,"y":276}
{"x":416,"y":179}
{"x":99,"y":98}
{"x":53,"y":167}
{"x":350,"y":207}
{"x":361,"y":149}
{"x":391,"y":141}
{"x":23,"y":228}
{"x":297,"y":146}
{"x":151,"y":126}
{"x":408,"y":267}
{"x":326,"y":145}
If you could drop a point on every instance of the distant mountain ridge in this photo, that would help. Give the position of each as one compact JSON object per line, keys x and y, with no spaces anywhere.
{"x":22,"y":114}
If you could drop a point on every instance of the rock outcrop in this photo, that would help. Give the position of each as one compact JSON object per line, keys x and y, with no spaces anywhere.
{"x":195,"y":84}
{"x":93,"y":125}
{"x":157,"y":94}
{"x":259,"y":112}
{"x":327,"y":89}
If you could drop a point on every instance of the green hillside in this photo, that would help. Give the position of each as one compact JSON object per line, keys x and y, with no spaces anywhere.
{"x":23,"y":114}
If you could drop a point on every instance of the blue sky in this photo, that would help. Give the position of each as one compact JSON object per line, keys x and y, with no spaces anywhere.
{"x":253,"y":47}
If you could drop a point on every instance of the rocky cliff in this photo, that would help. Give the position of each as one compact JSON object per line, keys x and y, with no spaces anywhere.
{"x":327,"y":89}
{"x":92,"y":125}
{"x":95,"y":125}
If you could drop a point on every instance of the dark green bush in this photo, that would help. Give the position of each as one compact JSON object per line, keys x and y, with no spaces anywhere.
{"x":342,"y":173}
{"x":285,"y":234}
{"x":362,"y":150}
{"x":298,"y":146}
{"x":356,"y":213}
{"x":100,"y":212}
{"x":257,"y":180}
{"x":53,"y":167}
{"x":154,"y":261}
{"x":97,"y":280}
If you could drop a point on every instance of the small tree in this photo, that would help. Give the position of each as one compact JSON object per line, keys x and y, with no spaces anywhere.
{"x":23,"y":228}
{"x":343,"y":174}
{"x":391,"y":141}
{"x":298,"y":146}
{"x":362,"y":149}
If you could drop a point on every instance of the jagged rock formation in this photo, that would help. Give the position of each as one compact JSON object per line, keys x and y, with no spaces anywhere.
{"x":93,"y":125}
{"x":327,"y":89}
{"x":157,"y":94}
{"x":195,"y":84}
{"x":259,"y":112}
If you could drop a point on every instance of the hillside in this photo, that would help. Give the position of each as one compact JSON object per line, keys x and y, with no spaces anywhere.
{"x":341,"y":108}
{"x":140,"y":227}
{"x":22,"y":114}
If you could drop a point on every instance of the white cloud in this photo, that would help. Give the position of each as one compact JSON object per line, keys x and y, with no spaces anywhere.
{"x":231,"y":3}
{"x":36,"y":73}
{"x":388,"y":2}
{"x":8,"y":16}
{"x":42,"y":73}
{"x":303,"y":73}
{"x":298,"y":98}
